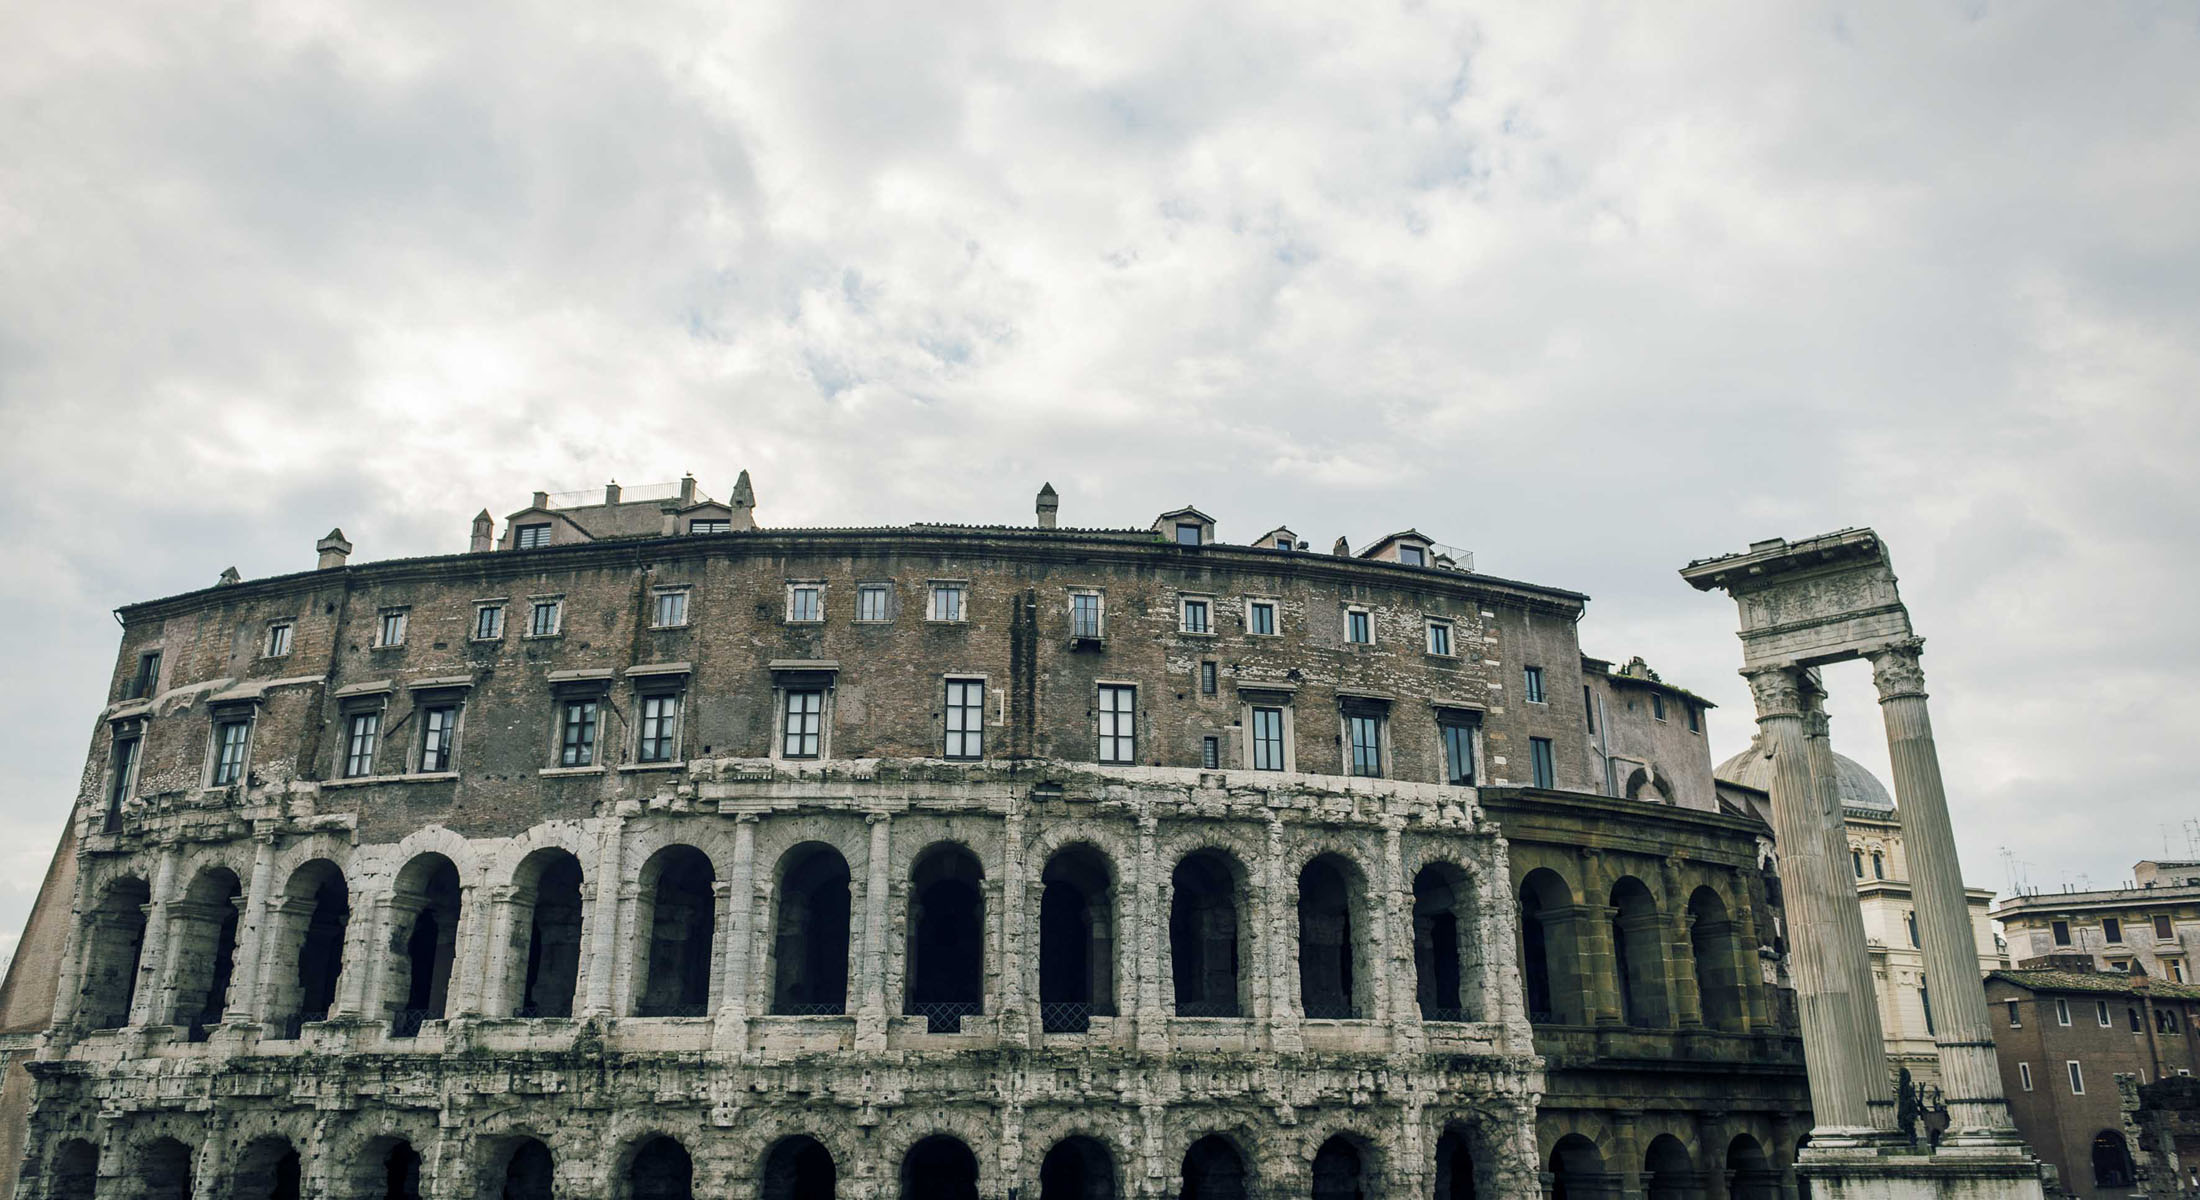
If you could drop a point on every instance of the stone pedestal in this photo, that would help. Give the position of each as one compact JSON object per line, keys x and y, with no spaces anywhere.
{"x":1865,"y":1173}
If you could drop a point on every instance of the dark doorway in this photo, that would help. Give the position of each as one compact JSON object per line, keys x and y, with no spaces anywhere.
{"x":1719,"y":979}
{"x":114,"y":940}
{"x":799,"y":1168}
{"x":164,"y":1170}
{"x":203,"y":946}
{"x":946,"y":938}
{"x":810,"y":948}
{"x":1077,"y":1168}
{"x":401,"y":1173}
{"x":1213,"y":1171}
{"x":267,"y":1170}
{"x":1638,"y":955}
{"x":317,"y":907}
{"x":1203,"y":936}
{"x":1076,"y":941}
{"x":549,"y":884}
{"x":661,"y":1170}
{"x":939,"y":1168}
{"x":75,"y":1170}
{"x":1439,"y":983}
{"x":426,"y":897}
{"x":1338,"y":1173}
{"x":529,"y":1174}
{"x":1454,"y":1166}
{"x":683,"y":921}
{"x":1326,"y":984}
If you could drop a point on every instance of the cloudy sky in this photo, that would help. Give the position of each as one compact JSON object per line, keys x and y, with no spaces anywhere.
{"x":1592,"y":292}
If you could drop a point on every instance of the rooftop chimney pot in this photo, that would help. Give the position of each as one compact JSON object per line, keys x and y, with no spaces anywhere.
{"x":611,"y":492}
{"x":333,"y":549}
{"x":1049,"y":504}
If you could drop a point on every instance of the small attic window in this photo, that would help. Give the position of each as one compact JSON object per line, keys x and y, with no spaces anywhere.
{"x":1283,"y":543}
{"x":1412,"y":555}
{"x":710,"y":525}
{"x":1188,"y":533}
{"x":529,"y":537}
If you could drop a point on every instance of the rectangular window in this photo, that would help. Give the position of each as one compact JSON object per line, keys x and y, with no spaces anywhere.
{"x":2131,"y":1018}
{"x":965,"y":718}
{"x":2062,"y":1012}
{"x":577,"y":734}
{"x":1413,"y":556}
{"x":1458,"y":752}
{"x":2024,"y":1076}
{"x":2015,"y":1022}
{"x":1531,"y":685}
{"x":1084,"y":615}
{"x":1187,"y":533}
{"x":2176,"y":969}
{"x":2062,"y":932}
{"x":1539,"y":760}
{"x":947,"y":602}
{"x":710,"y":525}
{"x":1118,"y":724}
{"x":529,"y":537}
{"x":1695,"y":719}
{"x":278,"y":639}
{"x":1359,"y":627}
{"x":392,"y":632}
{"x":1879,"y":865}
{"x":147,"y":677}
{"x":1925,"y":1003}
{"x":874,"y":603}
{"x":542,"y":620}
{"x":2077,"y":1078}
{"x":2162,"y":931}
{"x":118,"y":788}
{"x":2112,"y":929}
{"x":1267,"y":739}
{"x":1439,"y":638}
{"x":438,"y":736}
{"x":803,"y":733}
{"x":1260,"y":618}
{"x":229,"y":745}
{"x":805,"y":603}
{"x":488,"y":622}
{"x":1657,"y":707}
{"x":1283,"y":543}
{"x":1856,"y":860}
{"x":1210,"y":753}
{"x":359,"y":738}
{"x":660,"y":740}
{"x":1196,"y":617}
{"x":1207,"y":678}
{"x":2100,"y":1011}
{"x":672,"y":610}
{"x":1588,"y":709}
{"x":1910,"y":919}
{"x":1367,"y":744}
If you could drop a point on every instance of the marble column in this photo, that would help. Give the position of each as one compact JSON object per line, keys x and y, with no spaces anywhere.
{"x":1970,"y":1074}
{"x":1816,"y":889}
{"x":1854,"y":957}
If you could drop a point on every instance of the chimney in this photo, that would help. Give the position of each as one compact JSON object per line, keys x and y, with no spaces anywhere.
{"x":1048,"y":503}
{"x":334,"y":549}
{"x":743,"y":504}
{"x":1343,"y":549}
{"x":611,"y":492}
{"x":687,"y":489}
{"x":229,"y":576}
{"x":541,"y":500}
{"x":485,"y":533}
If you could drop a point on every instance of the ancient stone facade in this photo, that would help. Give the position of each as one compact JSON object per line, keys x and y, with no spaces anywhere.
{"x":919,"y":861}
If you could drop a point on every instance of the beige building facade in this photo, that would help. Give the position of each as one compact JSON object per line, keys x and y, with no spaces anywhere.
{"x":2153,"y":925}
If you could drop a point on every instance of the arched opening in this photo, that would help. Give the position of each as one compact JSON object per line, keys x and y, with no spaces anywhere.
{"x":677,"y":888}
{"x":1454,"y":1166}
{"x":810,"y":947}
{"x":799,"y":1168}
{"x":1549,"y":961}
{"x":203,"y":946}
{"x":1750,"y":1175}
{"x":1440,"y":945}
{"x":1204,"y":934}
{"x":424,"y":907}
{"x":1719,"y":979}
{"x":529,"y":1172}
{"x":1338,"y":1172}
{"x":394,"y":1167}
{"x":1669,"y":1173}
{"x":1213,"y":1170}
{"x":164,"y":1170}
{"x":946,"y":938}
{"x":1077,"y":1168}
{"x":1330,"y":982}
{"x":939,"y":1168}
{"x":114,"y":937}
{"x":1638,"y":955}
{"x":543,"y":959}
{"x":1577,"y":1170}
{"x":661,"y":1170}
{"x":269,"y":1169}
{"x":1076,"y":940}
{"x":2112,"y":1161}
{"x":315,"y":910}
{"x":74,"y":1171}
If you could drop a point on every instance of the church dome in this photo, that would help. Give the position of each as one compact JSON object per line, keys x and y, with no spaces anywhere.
{"x":1859,"y":787}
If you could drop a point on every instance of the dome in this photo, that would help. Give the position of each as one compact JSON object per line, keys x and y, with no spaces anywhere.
{"x":1859,"y":787}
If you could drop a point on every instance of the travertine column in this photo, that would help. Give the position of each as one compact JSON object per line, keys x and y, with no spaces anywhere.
{"x":152,"y":975}
{"x":740,"y":942}
{"x":871,"y":1013}
{"x":1148,"y":939}
{"x":1277,"y":1003}
{"x":253,"y":927}
{"x":1681,"y":961}
{"x":1816,"y":889}
{"x":495,"y":998}
{"x":1749,"y":955}
{"x":1970,"y":1074}
{"x":1398,"y":990}
{"x":1853,"y":958}
{"x":603,"y":921}
{"x":1016,"y":1023}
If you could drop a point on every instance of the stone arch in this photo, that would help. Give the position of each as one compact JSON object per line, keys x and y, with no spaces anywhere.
{"x":945,"y":951}
{"x":811,"y":930}
{"x":162,"y":1168}
{"x":1638,"y":954}
{"x":1077,"y":942}
{"x":1078,"y":1168}
{"x":114,"y":942}
{"x":1550,"y":955}
{"x":542,"y":961}
{"x":1119,"y":1136}
{"x":384,"y":1167}
{"x":305,"y":954}
{"x":519,"y":1167}
{"x":424,"y":914}
{"x":940,"y":1166}
{"x":1443,"y":942}
{"x":1215,"y":1168}
{"x":1334,"y":959}
{"x":656,"y":1167}
{"x":2112,"y":1166}
{"x":798,"y":1167}
{"x":202,"y":948}
{"x":1456,"y":1168}
{"x":1669,"y":1170}
{"x":1210,"y":937}
{"x":1647,"y":782}
{"x":1341,"y":1169}
{"x":1720,"y":971}
{"x":677,"y":904}
{"x":269,"y":1168}
{"x":1750,"y":1173}
{"x":73,"y":1171}
{"x":1577,"y":1170}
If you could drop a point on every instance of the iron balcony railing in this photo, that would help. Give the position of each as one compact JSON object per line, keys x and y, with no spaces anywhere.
{"x":406,"y":1022}
{"x":1065,"y":1016}
{"x":945,"y":1016}
{"x":1331,"y":1011}
{"x":812,"y":1008}
{"x":1207,"y":1008}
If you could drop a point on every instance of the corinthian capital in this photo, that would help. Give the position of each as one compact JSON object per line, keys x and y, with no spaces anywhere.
{"x":1895,"y":669}
{"x":1778,"y":691}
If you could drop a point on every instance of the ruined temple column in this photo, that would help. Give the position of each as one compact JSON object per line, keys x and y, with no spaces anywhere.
{"x":1852,"y":957}
{"x":1816,"y":889}
{"x":1970,"y":1074}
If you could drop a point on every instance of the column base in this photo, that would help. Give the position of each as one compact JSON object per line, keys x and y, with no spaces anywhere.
{"x":1859,"y":1172}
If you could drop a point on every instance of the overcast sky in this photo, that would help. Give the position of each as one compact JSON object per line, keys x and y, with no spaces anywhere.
{"x":1591,"y":292}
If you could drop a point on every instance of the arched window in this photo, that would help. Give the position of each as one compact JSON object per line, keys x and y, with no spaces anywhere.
{"x":1670,"y":1174}
{"x":1719,"y":979}
{"x":1577,"y":1170}
{"x":1441,"y":943}
{"x":1077,"y":1168}
{"x":1638,"y":954}
{"x":939,"y":1168}
{"x":164,"y":1170}
{"x":2112,"y":1161}
{"x":529,"y":1172}
{"x":679,"y":907}
{"x":1454,"y":1166}
{"x":1213,"y":1170}
{"x":661,"y":1170}
{"x":269,"y":1169}
{"x":309,"y":953}
{"x":946,"y":938}
{"x":424,"y":907}
{"x":799,"y":1168}
{"x":1204,"y":936}
{"x":1879,"y":865}
{"x":810,"y":945}
{"x":1549,"y":960}
{"x":1752,"y":1173}
{"x":1330,"y":978}
{"x":1076,"y":940}
{"x":114,"y":937}
{"x":1338,"y":1174}
{"x":74,"y":1171}
{"x":543,"y":961}
{"x":202,"y":944}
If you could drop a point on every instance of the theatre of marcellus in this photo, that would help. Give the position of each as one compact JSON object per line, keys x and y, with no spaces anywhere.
{"x":644,"y":852}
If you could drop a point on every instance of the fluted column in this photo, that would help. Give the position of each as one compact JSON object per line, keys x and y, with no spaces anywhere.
{"x":1816,"y":889}
{"x":871,"y":1013}
{"x":1970,"y":1074}
{"x":1854,"y":955}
